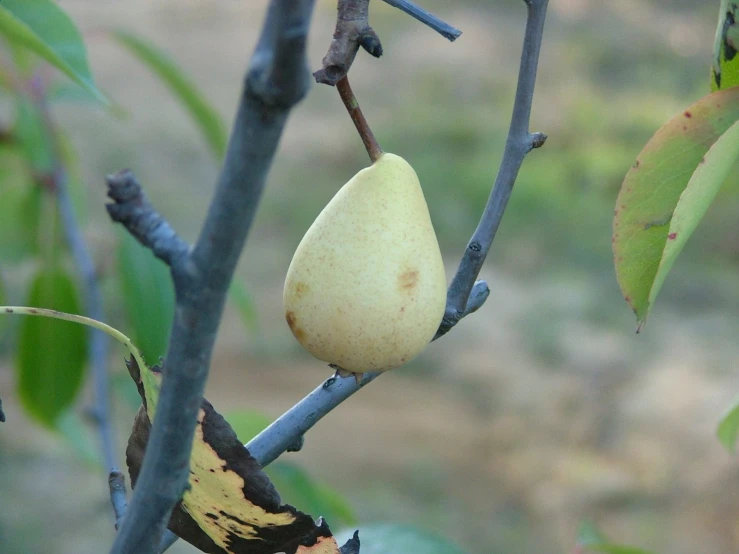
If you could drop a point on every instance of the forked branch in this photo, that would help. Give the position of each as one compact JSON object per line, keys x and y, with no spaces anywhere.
{"x":520,"y":142}
{"x":276,"y":80}
{"x":466,"y":294}
{"x":353,"y":30}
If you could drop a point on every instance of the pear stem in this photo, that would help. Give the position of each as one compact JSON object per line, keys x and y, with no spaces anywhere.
{"x":355,"y":112}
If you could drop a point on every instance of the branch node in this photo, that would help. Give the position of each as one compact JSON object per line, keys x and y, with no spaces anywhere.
{"x":279,"y":67}
{"x":117,"y":487}
{"x":131,"y":208}
{"x":297,"y":446}
{"x":352,"y":31}
{"x":538,"y":140}
{"x":371,"y":42}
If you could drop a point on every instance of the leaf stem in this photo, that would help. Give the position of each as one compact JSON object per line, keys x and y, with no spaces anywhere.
{"x":82,"y":320}
{"x":355,"y":112}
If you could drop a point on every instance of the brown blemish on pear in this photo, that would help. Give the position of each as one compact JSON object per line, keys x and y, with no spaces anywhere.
{"x":408,"y":280}
{"x":292,"y":323}
{"x":301,"y":289}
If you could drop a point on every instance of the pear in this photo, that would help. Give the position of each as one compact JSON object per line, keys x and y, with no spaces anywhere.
{"x":366,"y":288}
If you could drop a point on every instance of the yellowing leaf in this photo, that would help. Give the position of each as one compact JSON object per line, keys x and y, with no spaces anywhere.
{"x":231,"y":506}
{"x":652,"y":189}
{"x":695,"y":200}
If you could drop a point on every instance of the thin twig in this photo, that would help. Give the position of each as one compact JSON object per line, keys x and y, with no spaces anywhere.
{"x":427,"y":18}
{"x":117,"y":486}
{"x":133,"y":210}
{"x":98,"y":341}
{"x":355,"y":112}
{"x":519,"y":143}
{"x":290,"y":427}
{"x":465,"y":294}
{"x":277,"y":79}
{"x":2,"y":414}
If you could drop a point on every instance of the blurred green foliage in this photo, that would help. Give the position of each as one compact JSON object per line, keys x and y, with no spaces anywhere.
{"x":617,"y":92}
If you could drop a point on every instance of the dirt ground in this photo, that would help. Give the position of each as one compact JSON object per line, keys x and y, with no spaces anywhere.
{"x":483,"y":440}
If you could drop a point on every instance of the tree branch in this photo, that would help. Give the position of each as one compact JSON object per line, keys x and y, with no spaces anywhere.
{"x":352,"y":31}
{"x":465,"y":294}
{"x":117,"y":486}
{"x":427,"y":18}
{"x":133,"y":210}
{"x":277,"y":79}
{"x":168,"y":539}
{"x":2,"y":414}
{"x":98,"y":341}
{"x":519,"y":143}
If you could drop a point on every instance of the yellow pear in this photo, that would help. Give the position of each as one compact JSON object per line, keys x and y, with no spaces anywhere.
{"x":366,"y":288}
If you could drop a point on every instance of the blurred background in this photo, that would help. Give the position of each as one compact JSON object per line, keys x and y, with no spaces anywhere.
{"x":542,"y":409}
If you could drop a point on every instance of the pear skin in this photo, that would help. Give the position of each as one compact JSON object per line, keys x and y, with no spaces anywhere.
{"x":366,"y":288}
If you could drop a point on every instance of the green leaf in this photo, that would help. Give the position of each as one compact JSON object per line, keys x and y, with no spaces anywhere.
{"x":20,"y":207}
{"x":203,"y":114}
{"x":725,"y":67}
{"x":653,"y":188}
{"x":44,"y":28}
{"x":148,"y":296}
{"x":78,"y":191}
{"x":70,"y":93}
{"x":728,"y":428}
{"x":125,"y":390}
{"x":247,"y":424}
{"x":244,"y":302}
{"x":696,"y":199}
{"x":79,"y":437}
{"x":398,"y":539}
{"x":33,"y":137}
{"x":51,"y":354}
{"x":299,"y":489}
